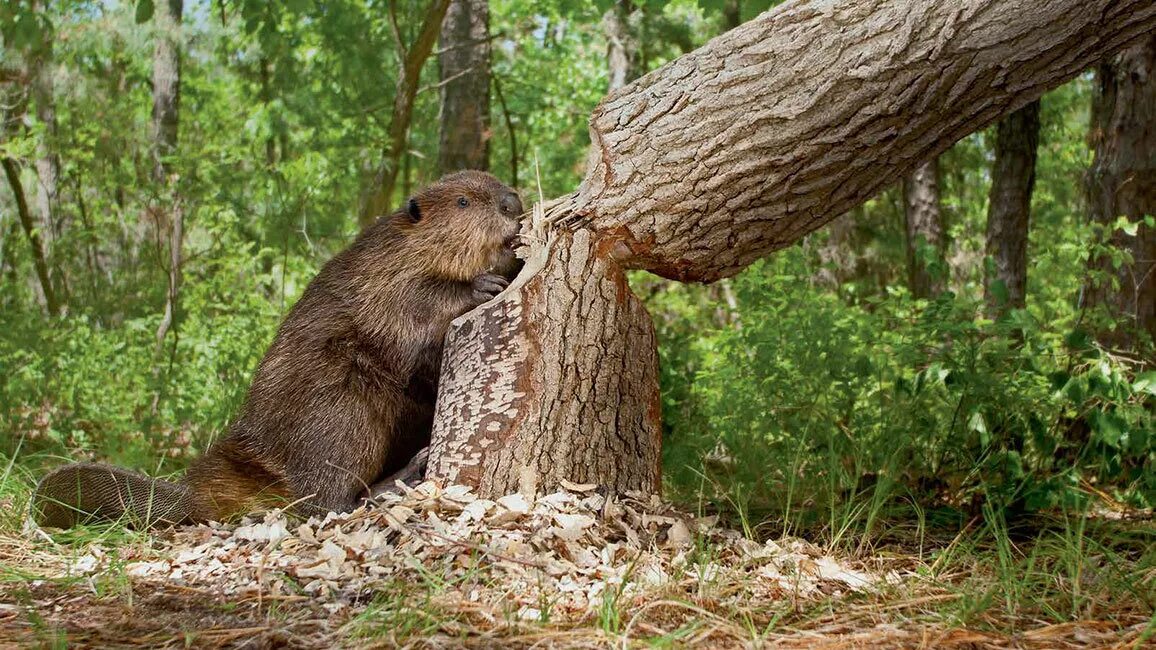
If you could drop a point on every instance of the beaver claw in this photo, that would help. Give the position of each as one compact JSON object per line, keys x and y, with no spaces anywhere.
{"x":410,"y":475}
{"x":488,"y":285}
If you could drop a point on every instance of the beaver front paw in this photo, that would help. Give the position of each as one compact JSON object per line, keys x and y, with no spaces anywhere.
{"x":488,"y":285}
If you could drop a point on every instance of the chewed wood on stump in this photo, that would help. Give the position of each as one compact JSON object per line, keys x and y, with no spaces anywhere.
{"x":497,"y":407}
{"x":703,"y":166}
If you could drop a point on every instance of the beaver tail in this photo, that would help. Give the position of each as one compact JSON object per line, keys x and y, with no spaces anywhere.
{"x":82,"y":492}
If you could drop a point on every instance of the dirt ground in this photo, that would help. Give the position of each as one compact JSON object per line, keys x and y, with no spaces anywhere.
{"x":166,"y":616}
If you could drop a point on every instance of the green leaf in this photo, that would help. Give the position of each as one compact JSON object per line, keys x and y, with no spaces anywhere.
{"x":1109,"y":428}
{"x":977,"y":424}
{"x":144,"y":11}
{"x":1145,"y":383}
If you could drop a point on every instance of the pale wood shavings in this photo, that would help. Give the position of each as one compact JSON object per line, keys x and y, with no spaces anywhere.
{"x":568,"y":551}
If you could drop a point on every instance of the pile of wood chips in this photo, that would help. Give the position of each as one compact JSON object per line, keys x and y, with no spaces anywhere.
{"x":569,"y":551}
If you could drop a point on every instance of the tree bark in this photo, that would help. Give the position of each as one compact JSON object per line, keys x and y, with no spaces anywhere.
{"x":924,"y":223}
{"x":375,"y":202}
{"x":464,"y":127}
{"x":502,"y":425}
{"x":1122,"y":181}
{"x":705,"y":165}
{"x":165,"y":128}
{"x":1013,"y":175}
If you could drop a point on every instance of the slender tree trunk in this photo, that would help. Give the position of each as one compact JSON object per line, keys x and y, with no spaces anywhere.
{"x":838,"y":258}
{"x":924,"y":221}
{"x":12,"y":172}
{"x":165,"y":127}
{"x":376,"y":198}
{"x":621,"y":45}
{"x":47,"y":161}
{"x":705,"y":165}
{"x":1122,"y":182}
{"x":464,"y":125}
{"x":1013,"y":175}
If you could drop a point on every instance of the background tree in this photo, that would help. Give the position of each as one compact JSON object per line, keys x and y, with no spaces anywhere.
{"x":464,"y":62}
{"x":170,"y":216}
{"x":1013,"y":176}
{"x":1122,"y":182}
{"x":925,"y":231}
{"x":27,"y":75}
{"x":43,"y":98}
{"x":621,"y":44}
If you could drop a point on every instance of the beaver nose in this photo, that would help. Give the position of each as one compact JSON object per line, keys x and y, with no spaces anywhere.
{"x":511,"y":205}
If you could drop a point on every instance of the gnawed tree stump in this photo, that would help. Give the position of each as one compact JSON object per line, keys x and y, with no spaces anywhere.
{"x":501,"y":424}
{"x":705,"y":165}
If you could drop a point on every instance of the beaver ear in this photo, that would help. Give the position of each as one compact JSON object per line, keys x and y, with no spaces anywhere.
{"x":413,"y":210}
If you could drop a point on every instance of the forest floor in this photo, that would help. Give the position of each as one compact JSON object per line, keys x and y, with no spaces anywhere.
{"x":442,"y":568}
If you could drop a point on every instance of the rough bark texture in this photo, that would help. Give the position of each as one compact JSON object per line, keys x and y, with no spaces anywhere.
{"x":502,"y":424}
{"x":924,"y":223}
{"x":1013,"y":175}
{"x":1122,"y":181}
{"x":771,"y":130}
{"x":464,"y":134}
{"x":375,"y":203}
{"x":714,"y":160}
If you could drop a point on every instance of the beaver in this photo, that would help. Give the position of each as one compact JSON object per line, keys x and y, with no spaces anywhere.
{"x":343,"y":399}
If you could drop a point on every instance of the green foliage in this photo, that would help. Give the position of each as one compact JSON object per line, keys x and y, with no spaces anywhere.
{"x":912,"y":397}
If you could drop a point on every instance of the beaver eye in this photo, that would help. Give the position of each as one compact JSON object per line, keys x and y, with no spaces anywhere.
{"x":463,"y":202}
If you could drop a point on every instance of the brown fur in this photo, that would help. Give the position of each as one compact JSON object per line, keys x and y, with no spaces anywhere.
{"x":344,"y":396}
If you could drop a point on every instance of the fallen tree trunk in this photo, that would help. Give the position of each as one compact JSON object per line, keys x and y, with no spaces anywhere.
{"x":707,"y":164}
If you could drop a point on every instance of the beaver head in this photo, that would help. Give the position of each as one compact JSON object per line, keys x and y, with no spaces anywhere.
{"x":469,"y":221}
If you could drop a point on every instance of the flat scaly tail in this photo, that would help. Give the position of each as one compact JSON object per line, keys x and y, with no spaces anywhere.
{"x":83,"y":492}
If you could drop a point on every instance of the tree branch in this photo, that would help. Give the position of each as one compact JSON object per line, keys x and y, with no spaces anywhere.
{"x":376,"y":200}
{"x":38,"y":260}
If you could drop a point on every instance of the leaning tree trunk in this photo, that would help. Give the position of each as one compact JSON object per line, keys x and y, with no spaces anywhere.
{"x":464,"y":59}
{"x":1013,"y":175}
{"x":705,"y":165}
{"x":1122,"y":181}
{"x":923,"y":219}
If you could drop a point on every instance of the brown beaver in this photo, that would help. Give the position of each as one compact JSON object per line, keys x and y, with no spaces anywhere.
{"x":344,"y":397}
